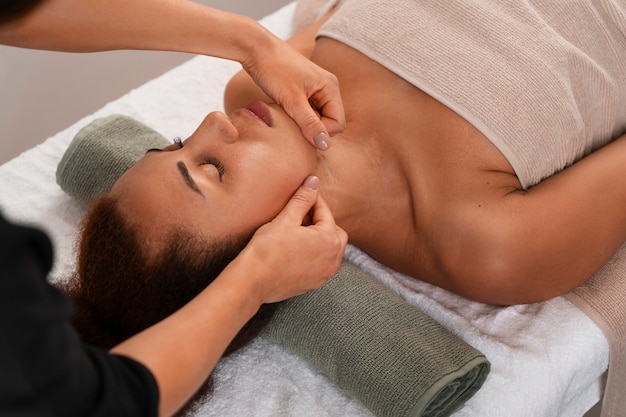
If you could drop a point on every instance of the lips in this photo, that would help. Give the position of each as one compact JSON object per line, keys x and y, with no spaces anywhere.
{"x":262,"y":111}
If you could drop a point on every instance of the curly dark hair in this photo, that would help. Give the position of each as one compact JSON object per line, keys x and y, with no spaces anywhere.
{"x":11,"y":9}
{"x":118,"y":290}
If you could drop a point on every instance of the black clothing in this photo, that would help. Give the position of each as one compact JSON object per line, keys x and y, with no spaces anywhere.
{"x":45,"y":370}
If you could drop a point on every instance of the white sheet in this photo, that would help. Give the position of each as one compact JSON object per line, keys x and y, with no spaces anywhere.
{"x":548,"y":359}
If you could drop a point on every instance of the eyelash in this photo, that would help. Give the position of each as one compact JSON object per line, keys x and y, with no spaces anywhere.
{"x":212,"y":161}
{"x":217,"y":164}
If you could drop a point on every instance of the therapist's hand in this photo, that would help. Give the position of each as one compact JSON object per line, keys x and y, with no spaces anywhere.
{"x":302,"y":88}
{"x":297,"y":251}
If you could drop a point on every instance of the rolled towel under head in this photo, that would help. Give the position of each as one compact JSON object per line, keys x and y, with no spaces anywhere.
{"x":101,"y":152}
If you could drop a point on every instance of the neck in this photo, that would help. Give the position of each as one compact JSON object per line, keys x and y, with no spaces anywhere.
{"x":363,"y":183}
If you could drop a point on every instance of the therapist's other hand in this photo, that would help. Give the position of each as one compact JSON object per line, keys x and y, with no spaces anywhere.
{"x":299,"y":250}
{"x":302,"y":88}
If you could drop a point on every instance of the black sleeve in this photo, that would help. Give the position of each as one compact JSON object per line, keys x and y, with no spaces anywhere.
{"x":45,"y":370}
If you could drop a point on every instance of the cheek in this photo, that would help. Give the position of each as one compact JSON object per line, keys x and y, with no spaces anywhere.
{"x":272,"y":180}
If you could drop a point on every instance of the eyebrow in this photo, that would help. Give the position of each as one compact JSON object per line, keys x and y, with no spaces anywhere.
{"x":182,"y":168}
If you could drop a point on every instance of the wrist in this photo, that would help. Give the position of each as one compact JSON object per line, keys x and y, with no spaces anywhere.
{"x":256,"y":45}
{"x":246,"y":275}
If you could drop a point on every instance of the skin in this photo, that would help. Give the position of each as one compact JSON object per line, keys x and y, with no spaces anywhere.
{"x":284,"y":258}
{"x":435,"y":199}
{"x":261,"y":167}
{"x":187,"y":26}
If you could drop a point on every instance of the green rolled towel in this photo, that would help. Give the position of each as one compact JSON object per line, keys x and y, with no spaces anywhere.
{"x":391,"y":356}
{"x":394,"y":358}
{"x":101,"y":152}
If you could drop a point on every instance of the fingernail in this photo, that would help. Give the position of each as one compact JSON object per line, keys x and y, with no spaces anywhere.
{"x":322,"y":141}
{"x":311,"y":182}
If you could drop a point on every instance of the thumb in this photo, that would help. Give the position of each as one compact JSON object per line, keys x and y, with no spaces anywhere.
{"x":310,"y":124}
{"x":301,"y":202}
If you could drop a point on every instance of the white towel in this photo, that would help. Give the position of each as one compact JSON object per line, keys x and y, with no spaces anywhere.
{"x":520,"y":72}
{"x":547,"y":359}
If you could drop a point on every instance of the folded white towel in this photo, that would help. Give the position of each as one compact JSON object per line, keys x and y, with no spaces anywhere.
{"x":547,"y":359}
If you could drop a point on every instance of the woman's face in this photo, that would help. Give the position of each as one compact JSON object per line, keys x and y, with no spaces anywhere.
{"x":234,"y":174}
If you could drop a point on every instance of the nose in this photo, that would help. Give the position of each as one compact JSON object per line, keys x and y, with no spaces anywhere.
{"x":221,"y":127}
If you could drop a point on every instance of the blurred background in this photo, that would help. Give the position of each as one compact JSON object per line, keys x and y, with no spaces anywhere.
{"x":44,"y":92}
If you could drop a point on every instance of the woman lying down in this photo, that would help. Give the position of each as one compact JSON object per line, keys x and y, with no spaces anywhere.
{"x":484,"y":153}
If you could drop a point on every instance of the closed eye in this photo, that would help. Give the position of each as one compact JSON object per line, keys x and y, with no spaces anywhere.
{"x":178,"y":144}
{"x":218,"y":165}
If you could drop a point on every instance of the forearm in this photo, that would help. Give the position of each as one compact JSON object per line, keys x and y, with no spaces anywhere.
{"x":282,"y":260}
{"x":96,"y":25}
{"x":182,"y":350}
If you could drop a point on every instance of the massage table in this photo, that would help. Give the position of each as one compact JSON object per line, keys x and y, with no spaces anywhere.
{"x":547,"y":359}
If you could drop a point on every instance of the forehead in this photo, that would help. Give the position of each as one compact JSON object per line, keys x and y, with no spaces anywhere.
{"x":148,"y":196}
{"x":153,"y":197}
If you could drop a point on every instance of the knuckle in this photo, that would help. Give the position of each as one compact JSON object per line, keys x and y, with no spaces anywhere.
{"x":302,"y":196}
{"x":311,"y":121}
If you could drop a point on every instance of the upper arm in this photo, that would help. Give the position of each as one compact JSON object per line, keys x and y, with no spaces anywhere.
{"x":536,"y":244}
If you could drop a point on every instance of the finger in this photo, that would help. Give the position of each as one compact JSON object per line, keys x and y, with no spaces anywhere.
{"x":322,"y":216}
{"x":301,"y":202}
{"x":333,"y":117}
{"x":343,"y":238}
{"x":330,"y":106}
{"x":323,"y":220}
{"x":310,"y":124}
